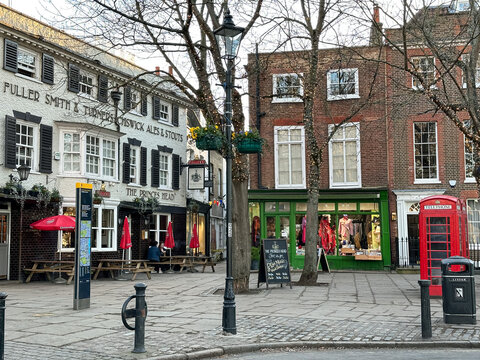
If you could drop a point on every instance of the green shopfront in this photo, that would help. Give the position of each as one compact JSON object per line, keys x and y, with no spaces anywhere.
{"x":353,"y":225}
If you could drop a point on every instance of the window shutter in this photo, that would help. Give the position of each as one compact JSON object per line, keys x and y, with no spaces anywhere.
{"x":155,"y":168}
{"x":175,"y":115}
{"x":102,"y":88}
{"x":156,"y":107}
{"x":175,"y":171}
{"x":127,"y":98}
{"x":10,"y":142}
{"x":143,"y":166}
{"x":73,"y":78}
{"x":144,"y":108}
{"x":10,"y":60}
{"x":47,"y":69}
{"x":126,"y":163}
{"x":46,"y":138}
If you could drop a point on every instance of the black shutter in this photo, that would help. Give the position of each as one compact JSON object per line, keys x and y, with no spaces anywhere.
{"x":126,"y":163}
{"x":47,"y":69}
{"x":10,"y":58}
{"x":155,"y":168}
{"x":156,"y":107}
{"x":175,"y":116}
{"x":127,"y":98}
{"x":102,"y":88}
{"x":10,"y":142}
{"x":175,"y":171}
{"x":46,"y":138}
{"x":144,"y":108}
{"x":73,"y":78}
{"x":143,"y":166}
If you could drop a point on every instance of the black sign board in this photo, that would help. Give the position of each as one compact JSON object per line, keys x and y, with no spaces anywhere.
{"x":83,"y":236}
{"x":274,"y":265}
{"x":322,"y":260}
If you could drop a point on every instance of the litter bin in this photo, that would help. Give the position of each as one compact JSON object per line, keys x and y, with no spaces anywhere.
{"x":458,"y":291}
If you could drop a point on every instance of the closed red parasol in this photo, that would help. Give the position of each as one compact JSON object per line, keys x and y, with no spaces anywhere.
{"x":55,"y":223}
{"x":169,"y":241}
{"x":126,"y":241}
{"x":194,"y":243}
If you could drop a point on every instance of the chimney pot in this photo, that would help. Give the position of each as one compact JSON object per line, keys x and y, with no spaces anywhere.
{"x":157,"y":70}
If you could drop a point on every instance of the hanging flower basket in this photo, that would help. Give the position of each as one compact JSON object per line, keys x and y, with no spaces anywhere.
{"x":249,"y":146}
{"x":209,"y":142}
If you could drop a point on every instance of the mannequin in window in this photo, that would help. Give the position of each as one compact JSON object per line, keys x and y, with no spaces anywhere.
{"x":345,"y":229}
{"x":256,"y":231}
{"x":376,"y":234}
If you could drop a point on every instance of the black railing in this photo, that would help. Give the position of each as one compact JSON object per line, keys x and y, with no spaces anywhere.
{"x":408,"y":251}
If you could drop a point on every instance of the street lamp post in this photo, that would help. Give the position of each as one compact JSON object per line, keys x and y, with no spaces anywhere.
{"x":228,"y":39}
{"x":23,"y":173}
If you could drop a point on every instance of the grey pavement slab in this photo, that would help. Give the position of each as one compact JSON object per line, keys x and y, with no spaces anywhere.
{"x":185,"y":316}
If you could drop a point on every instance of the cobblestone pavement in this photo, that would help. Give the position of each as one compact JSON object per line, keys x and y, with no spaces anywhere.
{"x":185,"y":310}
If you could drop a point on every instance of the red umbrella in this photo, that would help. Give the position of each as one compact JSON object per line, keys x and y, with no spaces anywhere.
{"x":194,"y":243}
{"x":126,"y":241}
{"x":169,"y":241}
{"x":55,"y":223}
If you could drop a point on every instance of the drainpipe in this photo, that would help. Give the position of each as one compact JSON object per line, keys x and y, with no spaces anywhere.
{"x":259,"y":116}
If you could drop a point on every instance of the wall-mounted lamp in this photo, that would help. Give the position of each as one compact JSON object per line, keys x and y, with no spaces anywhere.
{"x":452,"y":183}
{"x":394,"y":216}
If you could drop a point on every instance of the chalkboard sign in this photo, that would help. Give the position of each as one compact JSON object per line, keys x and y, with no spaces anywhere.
{"x":322,"y":260}
{"x":274,"y":265}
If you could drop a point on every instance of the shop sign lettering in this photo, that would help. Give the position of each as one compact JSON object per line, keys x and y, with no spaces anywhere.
{"x":91,"y":111}
{"x":165,"y":196}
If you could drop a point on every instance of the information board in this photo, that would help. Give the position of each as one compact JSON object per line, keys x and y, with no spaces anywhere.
{"x":274,"y":265}
{"x":83,"y":236}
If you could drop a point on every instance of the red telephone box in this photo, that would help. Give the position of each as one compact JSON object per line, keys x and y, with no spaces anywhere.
{"x":443,"y":233}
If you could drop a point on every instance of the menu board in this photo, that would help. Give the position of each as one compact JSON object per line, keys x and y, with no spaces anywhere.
{"x":274,"y":265}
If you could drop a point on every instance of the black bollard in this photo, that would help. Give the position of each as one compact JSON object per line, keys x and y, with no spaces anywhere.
{"x":425,"y":308}
{"x":140,"y":314}
{"x":3,"y":296}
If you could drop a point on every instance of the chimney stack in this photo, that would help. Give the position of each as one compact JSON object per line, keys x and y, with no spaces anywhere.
{"x":170,"y":70}
{"x":376,"y":38}
{"x":157,"y":70}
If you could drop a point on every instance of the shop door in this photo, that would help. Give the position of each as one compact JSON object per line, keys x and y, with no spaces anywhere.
{"x":4,"y":240}
{"x":413,"y":239}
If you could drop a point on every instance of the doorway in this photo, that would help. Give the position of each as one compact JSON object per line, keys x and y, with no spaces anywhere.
{"x":413,"y":239}
{"x":4,"y":244}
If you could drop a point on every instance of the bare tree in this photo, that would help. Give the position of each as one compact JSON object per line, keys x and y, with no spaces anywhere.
{"x":181,"y":34}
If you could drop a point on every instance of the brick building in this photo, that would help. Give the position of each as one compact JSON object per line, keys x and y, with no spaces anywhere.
{"x":353,"y":202}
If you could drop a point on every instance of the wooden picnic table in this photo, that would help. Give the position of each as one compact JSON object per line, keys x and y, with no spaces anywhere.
{"x":133,"y":266}
{"x":186,"y":261}
{"x":48,"y":267}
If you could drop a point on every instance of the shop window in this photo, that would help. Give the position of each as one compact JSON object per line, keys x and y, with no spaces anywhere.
{"x":283,"y":206}
{"x":371,"y":207}
{"x":342,"y":84}
{"x":271,"y":227}
{"x":425,"y":67}
{"x":322,"y":207}
{"x":347,"y":207}
{"x":158,"y":227}
{"x":270,"y":207}
{"x":68,"y":237}
{"x":344,"y":156}
{"x":301,"y":206}
{"x":103,"y":228}
{"x":358,"y":232}
{"x":26,"y":135}
{"x":473,"y":213}
{"x":71,"y":153}
{"x":287,"y":88}
{"x":289,"y":157}
{"x":425,"y":150}
{"x":255,"y":223}
{"x":326,"y":233}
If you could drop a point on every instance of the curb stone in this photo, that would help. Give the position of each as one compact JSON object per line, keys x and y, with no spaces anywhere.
{"x":240,"y":349}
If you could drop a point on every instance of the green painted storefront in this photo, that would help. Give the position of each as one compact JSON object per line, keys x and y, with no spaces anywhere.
{"x":280,"y":211}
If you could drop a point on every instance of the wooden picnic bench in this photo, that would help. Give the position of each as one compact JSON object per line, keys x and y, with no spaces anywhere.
{"x":133,"y":266}
{"x":49,"y":267}
{"x":184,"y":261}
{"x":205,"y":261}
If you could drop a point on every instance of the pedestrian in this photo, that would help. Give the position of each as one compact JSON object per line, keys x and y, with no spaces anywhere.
{"x":154,"y":254}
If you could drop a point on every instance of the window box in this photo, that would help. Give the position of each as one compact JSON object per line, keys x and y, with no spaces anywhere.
{"x":249,"y":146}
{"x":209,"y":142}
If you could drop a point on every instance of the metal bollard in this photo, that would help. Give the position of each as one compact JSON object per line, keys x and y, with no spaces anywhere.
{"x":425,"y":308}
{"x":3,"y":296}
{"x":140,"y":314}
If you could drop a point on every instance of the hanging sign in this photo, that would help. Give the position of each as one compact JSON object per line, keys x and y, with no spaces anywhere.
{"x":274,"y":265}
{"x":196,"y":178}
{"x":83,"y":236}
